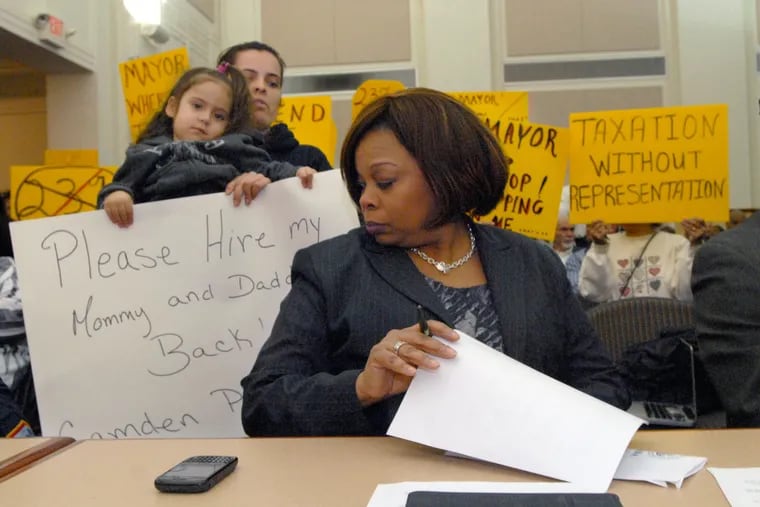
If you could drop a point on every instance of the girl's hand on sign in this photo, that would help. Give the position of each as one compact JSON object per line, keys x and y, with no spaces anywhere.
{"x":306,"y":175}
{"x":597,"y":232}
{"x":118,"y":207}
{"x":246,"y":186}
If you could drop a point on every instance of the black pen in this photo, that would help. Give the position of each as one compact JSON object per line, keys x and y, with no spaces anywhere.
{"x":424,"y":329}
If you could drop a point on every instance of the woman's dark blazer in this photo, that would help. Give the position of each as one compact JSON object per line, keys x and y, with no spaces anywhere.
{"x":349,"y":291}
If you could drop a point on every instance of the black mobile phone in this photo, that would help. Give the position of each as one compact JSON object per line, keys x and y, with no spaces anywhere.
{"x":196,"y":474}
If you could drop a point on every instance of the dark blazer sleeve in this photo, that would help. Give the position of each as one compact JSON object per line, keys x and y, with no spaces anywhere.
{"x":295,"y":386}
{"x":725,"y":280}
{"x":583,"y":362}
{"x":589,"y":367}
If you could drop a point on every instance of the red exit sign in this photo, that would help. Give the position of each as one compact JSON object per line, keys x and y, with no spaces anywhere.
{"x":55,"y":26}
{"x":51,"y":30}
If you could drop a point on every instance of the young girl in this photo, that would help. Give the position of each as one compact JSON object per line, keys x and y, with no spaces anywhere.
{"x":192,"y":146}
{"x":639,"y":261}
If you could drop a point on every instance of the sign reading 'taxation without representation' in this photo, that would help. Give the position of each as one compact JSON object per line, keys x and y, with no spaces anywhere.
{"x":649,"y":165}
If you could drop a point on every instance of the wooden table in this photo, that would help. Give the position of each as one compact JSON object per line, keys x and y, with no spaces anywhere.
{"x":17,"y":454}
{"x":330,"y":472}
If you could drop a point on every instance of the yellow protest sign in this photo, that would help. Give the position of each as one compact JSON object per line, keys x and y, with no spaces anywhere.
{"x":531,"y":198}
{"x":371,"y":90}
{"x":310,"y":118}
{"x":649,"y":165}
{"x":71,"y":157}
{"x":146,"y":82}
{"x":69,"y":182}
{"x":496,"y":108}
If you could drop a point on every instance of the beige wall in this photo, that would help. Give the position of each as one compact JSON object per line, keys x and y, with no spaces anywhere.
{"x":540,"y":27}
{"x":338,"y":36}
{"x":23,"y":137}
{"x":337,"y":32}
{"x":334,"y":36}
{"x":581,"y":51}
{"x":554,"y":107}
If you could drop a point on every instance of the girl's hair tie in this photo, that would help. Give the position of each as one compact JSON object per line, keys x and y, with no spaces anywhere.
{"x":222,"y":67}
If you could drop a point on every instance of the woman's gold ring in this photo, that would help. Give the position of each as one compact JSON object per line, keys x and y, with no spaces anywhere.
{"x":397,"y":346}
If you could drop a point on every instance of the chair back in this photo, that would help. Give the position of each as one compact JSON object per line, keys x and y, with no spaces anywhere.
{"x":625,"y":322}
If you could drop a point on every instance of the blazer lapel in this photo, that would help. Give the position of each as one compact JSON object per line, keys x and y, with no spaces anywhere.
{"x":506,"y":280}
{"x":395,"y":267}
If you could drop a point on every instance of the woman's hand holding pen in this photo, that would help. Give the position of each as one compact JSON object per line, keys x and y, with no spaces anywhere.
{"x":393,"y":362}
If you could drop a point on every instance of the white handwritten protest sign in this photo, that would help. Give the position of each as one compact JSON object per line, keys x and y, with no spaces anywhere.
{"x":147,"y":331}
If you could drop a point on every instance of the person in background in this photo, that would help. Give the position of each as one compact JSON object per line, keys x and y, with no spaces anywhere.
{"x":15,"y":367}
{"x":6,"y":246}
{"x":14,"y":351}
{"x":639,"y":261}
{"x":346,"y":343}
{"x":566,"y":249}
{"x":263,"y":68}
{"x":12,"y":424}
{"x":194,"y":145}
{"x":714,"y":228}
{"x":726,"y":285}
{"x":735,"y":217}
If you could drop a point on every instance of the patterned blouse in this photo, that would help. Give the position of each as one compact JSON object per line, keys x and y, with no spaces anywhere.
{"x":473,"y":311}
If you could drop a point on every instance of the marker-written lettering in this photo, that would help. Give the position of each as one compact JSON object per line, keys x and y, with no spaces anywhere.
{"x":641,"y":129}
{"x":145,"y":427}
{"x":309,"y":227}
{"x":232,"y":397}
{"x":96,"y":323}
{"x":74,"y":256}
{"x":192,"y":296}
{"x":176,"y":356}
{"x":221,"y":244}
{"x":244,"y":285}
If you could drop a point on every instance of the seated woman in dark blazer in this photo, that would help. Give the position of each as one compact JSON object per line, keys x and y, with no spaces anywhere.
{"x":346,"y":343}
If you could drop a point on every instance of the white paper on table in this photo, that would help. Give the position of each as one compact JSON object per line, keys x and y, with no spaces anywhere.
{"x":486,"y":405}
{"x":657,"y":467}
{"x":395,"y":495}
{"x":740,"y":486}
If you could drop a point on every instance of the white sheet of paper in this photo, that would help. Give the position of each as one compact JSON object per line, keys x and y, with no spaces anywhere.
{"x":486,"y":405}
{"x":741,"y":486}
{"x":657,"y":467}
{"x":394,"y":495}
